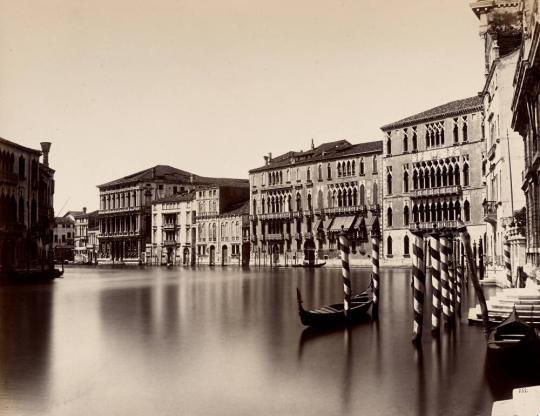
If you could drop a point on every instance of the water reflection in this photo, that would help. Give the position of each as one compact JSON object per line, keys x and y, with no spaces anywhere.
{"x":229,"y":341}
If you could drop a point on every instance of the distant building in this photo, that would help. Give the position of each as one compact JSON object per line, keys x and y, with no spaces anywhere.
{"x":432,"y":175}
{"x":85,"y":250}
{"x":222,"y":217}
{"x":173,"y":230}
{"x":26,"y":207}
{"x":125,"y":212}
{"x":500,"y":29}
{"x":64,"y":237}
{"x":300,"y":201}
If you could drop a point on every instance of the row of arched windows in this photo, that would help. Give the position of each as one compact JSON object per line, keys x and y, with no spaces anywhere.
{"x":430,"y":212}
{"x":426,"y":177}
{"x":228,"y":229}
{"x":346,"y":196}
{"x":7,"y":162}
{"x":390,"y":249}
{"x":119,"y":200}
{"x":119,"y":225}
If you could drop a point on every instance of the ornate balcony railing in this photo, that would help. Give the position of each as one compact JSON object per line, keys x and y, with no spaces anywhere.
{"x":274,"y":236}
{"x":346,"y":210}
{"x":169,"y":226}
{"x":440,"y":191}
{"x":490,"y":212}
{"x":275,"y":216}
{"x":435,"y":225}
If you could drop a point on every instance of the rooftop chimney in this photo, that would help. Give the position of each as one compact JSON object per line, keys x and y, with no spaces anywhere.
{"x":45,"y":148}
{"x":312,"y":144}
{"x":265,"y":160}
{"x":84,"y":210}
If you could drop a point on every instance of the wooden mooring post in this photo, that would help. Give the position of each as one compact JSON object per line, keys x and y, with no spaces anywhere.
{"x":445,"y":285}
{"x":375,"y":252}
{"x":419,"y":285}
{"x":507,"y":261}
{"x":435,"y":284}
{"x":345,"y":273}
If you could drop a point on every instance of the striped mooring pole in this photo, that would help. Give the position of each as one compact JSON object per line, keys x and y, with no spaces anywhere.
{"x":419,"y":286}
{"x":445,"y":286}
{"x":507,"y":262}
{"x":375,"y":253}
{"x":345,"y":273}
{"x":435,"y":284}
{"x":459,"y":275}
{"x":464,"y":270}
{"x":451,"y":278}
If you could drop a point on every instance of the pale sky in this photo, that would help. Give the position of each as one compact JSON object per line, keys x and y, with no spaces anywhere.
{"x":210,"y":86}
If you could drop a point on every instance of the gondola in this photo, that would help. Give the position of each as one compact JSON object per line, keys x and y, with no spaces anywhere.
{"x":513,"y":338}
{"x":309,"y":266}
{"x":333,"y":315}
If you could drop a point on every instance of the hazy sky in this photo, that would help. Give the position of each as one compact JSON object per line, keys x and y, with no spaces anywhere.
{"x":210,"y":86}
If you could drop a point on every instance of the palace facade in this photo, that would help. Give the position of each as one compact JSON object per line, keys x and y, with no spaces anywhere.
{"x":300,"y":201}
{"x":26,"y":207}
{"x":432,"y":174}
{"x":500,"y":30}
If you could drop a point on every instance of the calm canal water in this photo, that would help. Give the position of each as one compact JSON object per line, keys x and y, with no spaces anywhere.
{"x":228,"y":342}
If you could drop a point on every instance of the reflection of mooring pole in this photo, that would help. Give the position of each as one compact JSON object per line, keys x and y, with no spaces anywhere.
{"x":345,"y":272}
{"x":474,"y":278}
{"x":459,"y":275}
{"x":419,"y":286}
{"x":445,"y":286}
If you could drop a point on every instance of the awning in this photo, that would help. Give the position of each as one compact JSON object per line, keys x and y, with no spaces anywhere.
{"x":342,"y":223}
{"x":327,"y":222}
{"x":318,"y":224}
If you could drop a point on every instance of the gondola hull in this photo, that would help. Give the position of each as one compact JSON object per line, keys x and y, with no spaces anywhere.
{"x":310,"y":266}
{"x":333,"y":315}
{"x":513,"y":339}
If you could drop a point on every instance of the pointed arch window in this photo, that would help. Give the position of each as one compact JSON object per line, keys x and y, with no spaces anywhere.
{"x":298,"y":202}
{"x":465,"y":174}
{"x":389,"y":246}
{"x":415,"y":179}
{"x":405,"y":141}
{"x":414,"y":140}
{"x":309,"y":174}
{"x":467,"y":211}
{"x":464,"y":129}
{"x":406,"y":181}
{"x":361,"y":167}
{"x":388,"y":145}
{"x":406,"y":246}
{"x":406,"y":215}
{"x":319,"y":172}
{"x":329,"y":171}
{"x":389,"y":217}
{"x":362,"y":195}
{"x":389,"y":184}
{"x":375,"y":194}
{"x":339,"y":169}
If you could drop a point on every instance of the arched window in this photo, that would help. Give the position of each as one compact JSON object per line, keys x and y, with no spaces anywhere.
{"x":309,"y":174}
{"x":254,"y":207}
{"x":355,"y":197}
{"x":388,"y":146}
{"x":456,"y":175}
{"x":298,"y":202}
{"x":375,"y":194}
{"x":389,"y":184}
{"x":456,"y":131}
{"x":353,"y":167}
{"x":421,"y":213}
{"x":329,"y":171}
{"x":320,"y":199}
{"x":362,"y":195}
{"x":428,"y":213}
{"x":464,"y":129}
{"x":444,"y":176}
{"x":451,"y":211}
{"x":223,"y":229}
{"x":262,"y":205}
{"x":214,"y":232}
{"x":450,"y":175}
{"x":339,"y":202}
{"x":421,"y":179}
{"x":415,"y":213}
{"x":319,"y":172}
{"x":288,"y":175}
{"x":406,"y":215}
{"x":339,"y":169}
{"x":389,"y":217}
{"x":414,"y":140}
{"x":349,"y":197}
{"x":348,"y":167}
{"x":374,"y":164}
{"x":415,"y":179}
{"x":432,"y":176}
{"x":457,"y":209}
{"x":281,"y":177}
{"x":427,"y":136}
{"x":310,"y":207}
{"x":405,"y":142}
{"x":465,"y":174}
{"x":406,"y":246}
{"x":467,"y":211}
{"x":329,"y":201}
{"x":445,"y":212}
{"x":439,"y":177}
{"x":406,"y":181}
{"x":389,"y":246}
{"x":361,"y":168}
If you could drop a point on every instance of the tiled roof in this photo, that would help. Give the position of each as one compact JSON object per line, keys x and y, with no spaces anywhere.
{"x":452,"y":108}
{"x":238,"y":209}
{"x":326,"y":151}
{"x":63,"y":220}
{"x":19,"y":146}
{"x":164,"y":173}
{"x":187,"y":196}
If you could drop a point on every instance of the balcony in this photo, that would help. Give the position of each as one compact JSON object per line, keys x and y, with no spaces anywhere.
{"x":169,"y":243}
{"x":347,"y":210}
{"x":170,"y":226}
{"x":490,"y":212}
{"x":298,"y":236}
{"x":297,"y":214}
{"x":440,"y":191}
{"x":436,"y":225}
{"x":9,"y":177}
{"x":275,"y":216}
{"x":274,"y":236}
{"x":308,"y":236}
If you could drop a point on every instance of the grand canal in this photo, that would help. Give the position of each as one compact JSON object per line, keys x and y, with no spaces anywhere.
{"x":228,"y":342}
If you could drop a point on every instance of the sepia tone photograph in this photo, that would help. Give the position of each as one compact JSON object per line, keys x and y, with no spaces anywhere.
{"x":233,"y":207}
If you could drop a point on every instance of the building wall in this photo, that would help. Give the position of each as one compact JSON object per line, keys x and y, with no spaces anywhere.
{"x":287,"y":203}
{"x":402,"y":158}
{"x":219,"y":240}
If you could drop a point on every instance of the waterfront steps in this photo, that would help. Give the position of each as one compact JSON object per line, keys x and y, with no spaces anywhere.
{"x":526,"y":301}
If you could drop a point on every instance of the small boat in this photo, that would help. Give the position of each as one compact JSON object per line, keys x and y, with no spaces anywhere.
{"x":309,"y":266}
{"x":334,"y":314}
{"x":513,"y":336}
